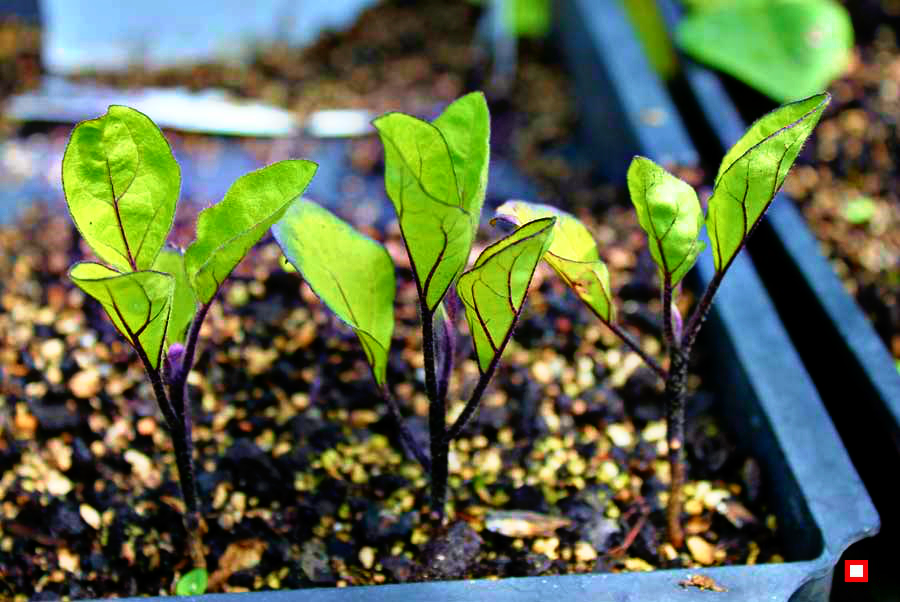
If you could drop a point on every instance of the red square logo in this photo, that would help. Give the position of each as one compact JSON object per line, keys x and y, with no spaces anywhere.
{"x":856,"y":571}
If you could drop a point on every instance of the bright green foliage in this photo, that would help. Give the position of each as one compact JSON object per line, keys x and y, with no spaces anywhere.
{"x":121,"y":183}
{"x":138,"y":303}
{"x":436,"y":176}
{"x":754,"y":170}
{"x":493,"y":291}
{"x":192,"y":583}
{"x":669,"y":212}
{"x":227,"y":230}
{"x":859,"y":211}
{"x":572,"y":254}
{"x":350,"y":272}
{"x":184,"y":303}
{"x":786,"y":49}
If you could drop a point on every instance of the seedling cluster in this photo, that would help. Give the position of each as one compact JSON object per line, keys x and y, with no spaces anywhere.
{"x":122,"y":184}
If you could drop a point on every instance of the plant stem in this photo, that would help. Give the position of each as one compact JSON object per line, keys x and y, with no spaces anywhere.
{"x":437,"y":419}
{"x":635,"y":346}
{"x":676,"y":387}
{"x":407,"y":437}
{"x":700,"y":313}
{"x":184,"y":461}
{"x":668,"y":334}
{"x":676,"y":391}
{"x":190,"y":349}
{"x":180,"y":432}
{"x":447,"y":345}
{"x":474,"y":399}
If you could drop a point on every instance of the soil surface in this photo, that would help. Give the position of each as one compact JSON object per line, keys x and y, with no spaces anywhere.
{"x":303,"y":480}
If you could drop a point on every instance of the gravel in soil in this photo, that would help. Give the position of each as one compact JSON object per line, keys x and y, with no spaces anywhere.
{"x":301,"y":475}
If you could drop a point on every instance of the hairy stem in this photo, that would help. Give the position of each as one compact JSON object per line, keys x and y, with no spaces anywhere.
{"x":668,"y":333}
{"x":405,"y":434}
{"x":700,"y":313}
{"x":184,"y":454}
{"x":180,"y":432}
{"x":182,"y":436}
{"x":190,"y":349}
{"x":447,"y":346}
{"x":437,"y":419}
{"x":676,"y":389}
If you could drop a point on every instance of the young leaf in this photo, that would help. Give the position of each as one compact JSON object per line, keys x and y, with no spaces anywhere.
{"x":436,"y":175}
{"x":350,"y":272}
{"x":227,"y":230}
{"x":184,"y":304}
{"x":121,"y":184}
{"x":138,"y":303}
{"x":493,"y":291}
{"x":754,"y":170}
{"x":669,"y":212}
{"x":573,"y":254}
{"x":192,"y":583}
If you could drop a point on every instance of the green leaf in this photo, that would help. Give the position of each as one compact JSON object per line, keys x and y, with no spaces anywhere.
{"x":192,"y":583}
{"x":138,"y":303}
{"x":184,"y":304}
{"x":669,"y":212}
{"x":494,"y":290}
{"x":436,"y":176}
{"x":573,"y":254}
{"x":753,"y":171}
{"x":350,"y":272}
{"x":786,"y":49}
{"x":227,"y":230}
{"x":121,"y":184}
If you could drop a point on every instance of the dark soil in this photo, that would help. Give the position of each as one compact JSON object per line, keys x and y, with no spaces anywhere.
{"x":302,"y":477}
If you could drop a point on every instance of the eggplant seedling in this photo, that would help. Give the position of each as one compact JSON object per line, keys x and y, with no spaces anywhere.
{"x":436,"y":175}
{"x":121,"y":184}
{"x":669,"y":212}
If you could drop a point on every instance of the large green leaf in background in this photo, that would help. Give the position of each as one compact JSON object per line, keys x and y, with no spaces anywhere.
{"x":436,"y":175}
{"x":787,"y":49}
{"x":573,"y":254}
{"x":227,"y":230}
{"x":184,"y":303}
{"x":753,"y":171}
{"x":669,"y":212}
{"x":138,"y":303}
{"x":494,"y":290}
{"x":121,"y":184}
{"x":350,"y":272}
